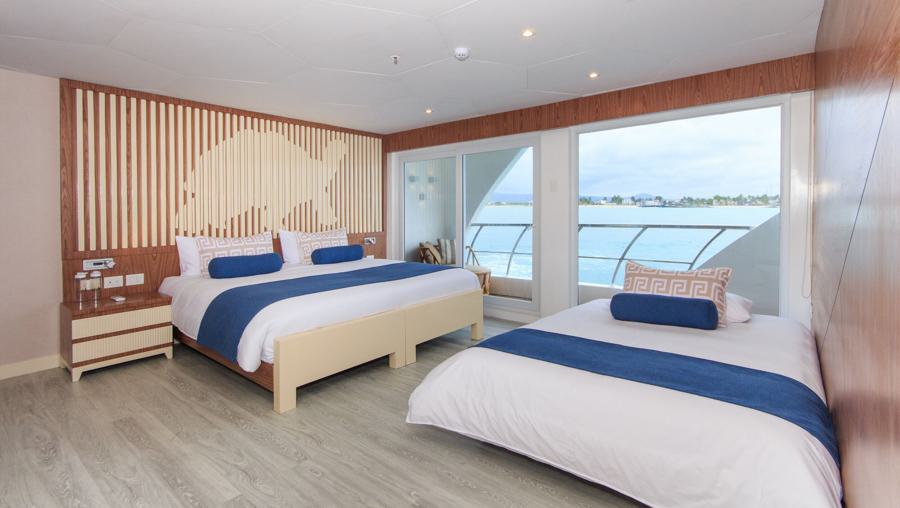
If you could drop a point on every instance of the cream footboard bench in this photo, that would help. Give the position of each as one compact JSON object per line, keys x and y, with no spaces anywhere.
{"x":304,"y":357}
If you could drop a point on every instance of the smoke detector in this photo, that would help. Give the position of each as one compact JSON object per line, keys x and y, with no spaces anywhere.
{"x":461,"y":53}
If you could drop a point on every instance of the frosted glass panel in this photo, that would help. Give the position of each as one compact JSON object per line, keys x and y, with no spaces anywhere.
{"x":430,"y":203}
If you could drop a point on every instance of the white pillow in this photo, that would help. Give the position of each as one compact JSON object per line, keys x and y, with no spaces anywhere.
{"x":188,"y":255}
{"x":308,"y":242}
{"x":738,"y":308}
{"x":289,"y":249}
{"x":211,"y":248}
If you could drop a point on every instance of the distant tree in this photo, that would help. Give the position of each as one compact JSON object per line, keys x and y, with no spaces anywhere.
{"x":659,"y":198}
{"x":617,"y":199}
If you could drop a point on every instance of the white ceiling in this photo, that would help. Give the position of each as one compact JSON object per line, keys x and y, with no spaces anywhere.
{"x":329,"y":60}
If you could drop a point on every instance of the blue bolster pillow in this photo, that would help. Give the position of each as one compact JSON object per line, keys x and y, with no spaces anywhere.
{"x":665,"y":310}
{"x":342,"y":254}
{"x":244,"y":266}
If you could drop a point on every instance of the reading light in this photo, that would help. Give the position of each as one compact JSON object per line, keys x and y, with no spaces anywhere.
{"x":527,"y":33}
{"x":593,"y":75}
{"x":428,"y":111}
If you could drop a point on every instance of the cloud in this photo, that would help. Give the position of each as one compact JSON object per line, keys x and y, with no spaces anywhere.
{"x":728,"y":154}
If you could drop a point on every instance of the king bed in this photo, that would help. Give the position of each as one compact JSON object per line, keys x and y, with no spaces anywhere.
{"x":673,"y":416}
{"x":305,"y":322}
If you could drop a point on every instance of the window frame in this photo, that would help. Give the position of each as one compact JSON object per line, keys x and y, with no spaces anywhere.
{"x":783,"y":101}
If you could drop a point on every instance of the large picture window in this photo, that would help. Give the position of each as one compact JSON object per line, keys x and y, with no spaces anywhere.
{"x":683,"y":194}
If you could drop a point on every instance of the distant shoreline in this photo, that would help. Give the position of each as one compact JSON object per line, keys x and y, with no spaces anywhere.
{"x":637,"y":206}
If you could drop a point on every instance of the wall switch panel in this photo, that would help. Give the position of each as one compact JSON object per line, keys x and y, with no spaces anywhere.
{"x":113,"y":282}
{"x":369,"y":240}
{"x":89,"y":265}
{"x":134,"y":279}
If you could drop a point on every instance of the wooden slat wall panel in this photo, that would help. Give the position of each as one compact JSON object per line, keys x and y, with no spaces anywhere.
{"x":856,"y":240}
{"x":146,"y":168}
{"x":779,"y":76}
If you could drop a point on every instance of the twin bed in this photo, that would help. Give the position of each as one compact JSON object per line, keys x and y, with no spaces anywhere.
{"x":668,"y":415}
{"x":661,"y":446}
{"x":300,"y":339}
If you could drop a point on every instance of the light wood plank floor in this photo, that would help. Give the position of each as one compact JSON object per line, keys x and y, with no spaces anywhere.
{"x":188,"y":432}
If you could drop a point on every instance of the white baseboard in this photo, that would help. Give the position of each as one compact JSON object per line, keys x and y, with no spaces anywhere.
{"x":29,"y":366}
{"x":518,"y":316}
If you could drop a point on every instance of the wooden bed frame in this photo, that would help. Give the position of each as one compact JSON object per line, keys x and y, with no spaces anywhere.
{"x":305,"y":357}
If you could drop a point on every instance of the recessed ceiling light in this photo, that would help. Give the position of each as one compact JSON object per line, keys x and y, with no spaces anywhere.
{"x":593,"y":75}
{"x":528,"y":32}
{"x":428,"y":111}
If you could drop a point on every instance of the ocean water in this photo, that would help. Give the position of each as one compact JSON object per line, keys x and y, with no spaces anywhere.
{"x":663,"y":248}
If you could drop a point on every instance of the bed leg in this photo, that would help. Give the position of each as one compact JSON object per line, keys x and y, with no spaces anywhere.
{"x":478,"y":330}
{"x":396,"y":360}
{"x":285,"y":399}
{"x":410,"y":354}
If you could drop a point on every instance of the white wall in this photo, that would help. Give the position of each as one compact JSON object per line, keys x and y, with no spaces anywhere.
{"x":558,"y":260}
{"x":795,"y":298}
{"x":29,"y":207}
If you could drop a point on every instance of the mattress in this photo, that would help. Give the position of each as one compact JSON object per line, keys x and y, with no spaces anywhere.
{"x":191,"y":295}
{"x":659,"y":446}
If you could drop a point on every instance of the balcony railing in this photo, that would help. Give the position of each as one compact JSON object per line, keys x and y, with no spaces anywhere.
{"x":522,"y":229}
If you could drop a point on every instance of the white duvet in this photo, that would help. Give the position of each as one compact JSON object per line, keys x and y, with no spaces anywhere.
{"x":659,"y":446}
{"x":192,"y":294}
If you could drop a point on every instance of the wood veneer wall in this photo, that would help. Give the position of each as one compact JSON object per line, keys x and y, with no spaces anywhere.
{"x":856,"y":240}
{"x":792,"y":74}
{"x":138,"y":169}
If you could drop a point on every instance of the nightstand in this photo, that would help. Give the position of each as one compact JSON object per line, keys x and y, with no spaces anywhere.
{"x":107,"y":333}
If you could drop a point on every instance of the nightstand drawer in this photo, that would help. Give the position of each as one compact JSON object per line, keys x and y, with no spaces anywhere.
{"x":124,"y":343}
{"x":122,"y":321}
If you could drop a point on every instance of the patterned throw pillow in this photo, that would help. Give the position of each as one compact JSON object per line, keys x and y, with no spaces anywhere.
{"x":448,"y":250}
{"x":706,"y":283}
{"x":211,"y":248}
{"x":308,"y":242}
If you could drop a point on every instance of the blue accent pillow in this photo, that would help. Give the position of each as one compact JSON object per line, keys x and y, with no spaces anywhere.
{"x":244,"y":266}
{"x":342,"y":254}
{"x":665,"y":310}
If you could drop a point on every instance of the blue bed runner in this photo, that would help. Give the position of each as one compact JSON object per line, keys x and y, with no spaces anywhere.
{"x":231,"y":311}
{"x":764,"y":391}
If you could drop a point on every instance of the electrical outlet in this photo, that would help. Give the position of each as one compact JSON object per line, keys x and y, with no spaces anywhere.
{"x":369,"y":240}
{"x":134,"y":279}
{"x":112,"y":282}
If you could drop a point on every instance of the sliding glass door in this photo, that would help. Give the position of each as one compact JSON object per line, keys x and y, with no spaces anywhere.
{"x":484,"y":197}
{"x":429,"y":201}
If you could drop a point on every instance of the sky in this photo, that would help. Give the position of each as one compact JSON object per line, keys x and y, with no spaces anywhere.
{"x":727,"y":154}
